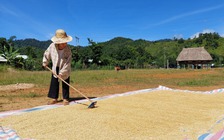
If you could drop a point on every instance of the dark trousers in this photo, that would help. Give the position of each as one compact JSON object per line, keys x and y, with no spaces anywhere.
{"x":54,"y":87}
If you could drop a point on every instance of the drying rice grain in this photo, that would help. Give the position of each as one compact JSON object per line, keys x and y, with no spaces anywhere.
{"x":155,"y":115}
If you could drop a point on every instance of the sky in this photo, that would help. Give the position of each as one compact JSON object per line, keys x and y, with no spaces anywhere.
{"x":103,"y":20}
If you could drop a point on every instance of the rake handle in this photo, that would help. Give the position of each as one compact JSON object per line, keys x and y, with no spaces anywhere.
{"x":68,"y":84}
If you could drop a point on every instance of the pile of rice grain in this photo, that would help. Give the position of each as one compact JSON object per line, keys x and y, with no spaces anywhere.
{"x":156,"y":115}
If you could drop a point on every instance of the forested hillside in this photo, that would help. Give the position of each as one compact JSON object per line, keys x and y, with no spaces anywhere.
{"x":32,"y":42}
{"x":124,"y":51}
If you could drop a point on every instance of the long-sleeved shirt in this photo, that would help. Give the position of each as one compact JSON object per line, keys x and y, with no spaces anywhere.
{"x":64,"y":63}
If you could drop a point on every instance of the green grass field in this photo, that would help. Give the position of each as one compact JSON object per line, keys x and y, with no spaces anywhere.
{"x":99,"y":83}
{"x":141,"y":78}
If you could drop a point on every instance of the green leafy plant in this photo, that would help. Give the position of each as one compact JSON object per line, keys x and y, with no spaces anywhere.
{"x":9,"y":54}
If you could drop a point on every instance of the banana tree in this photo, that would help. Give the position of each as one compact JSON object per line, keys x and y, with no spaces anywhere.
{"x":10,"y":54}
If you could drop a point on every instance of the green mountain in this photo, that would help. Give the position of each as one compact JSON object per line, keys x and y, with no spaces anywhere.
{"x":134,"y":53}
{"x":32,"y":43}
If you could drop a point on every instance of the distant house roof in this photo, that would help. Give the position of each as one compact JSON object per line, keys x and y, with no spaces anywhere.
{"x":23,"y":56}
{"x":194,"y":54}
{"x":2,"y":59}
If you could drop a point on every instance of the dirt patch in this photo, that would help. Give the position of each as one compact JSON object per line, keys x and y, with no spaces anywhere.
{"x":17,"y":86}
{"x":28,"y":96}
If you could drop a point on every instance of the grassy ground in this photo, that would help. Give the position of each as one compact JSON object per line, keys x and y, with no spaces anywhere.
{"x":103,"y":82}
{"x":98,"y":78}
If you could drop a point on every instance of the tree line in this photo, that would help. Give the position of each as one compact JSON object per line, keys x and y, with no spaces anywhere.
{"x":119,"y":51}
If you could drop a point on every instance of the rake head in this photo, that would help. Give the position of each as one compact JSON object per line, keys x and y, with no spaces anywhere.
{"x":92,"y":105}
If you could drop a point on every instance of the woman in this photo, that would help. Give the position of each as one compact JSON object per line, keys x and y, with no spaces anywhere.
{"x":60,"y":55}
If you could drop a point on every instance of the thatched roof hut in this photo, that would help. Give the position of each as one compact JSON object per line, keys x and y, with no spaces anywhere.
{"x":194,"y":56}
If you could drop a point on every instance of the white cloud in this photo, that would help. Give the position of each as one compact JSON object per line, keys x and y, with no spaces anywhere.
{"x":221,"y":31}
{"x":6,"y":10}
{"x":189,"y":14}
{"x":49,"y":35}
{"x":178,"y":36}
{"x":196,"y":35}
